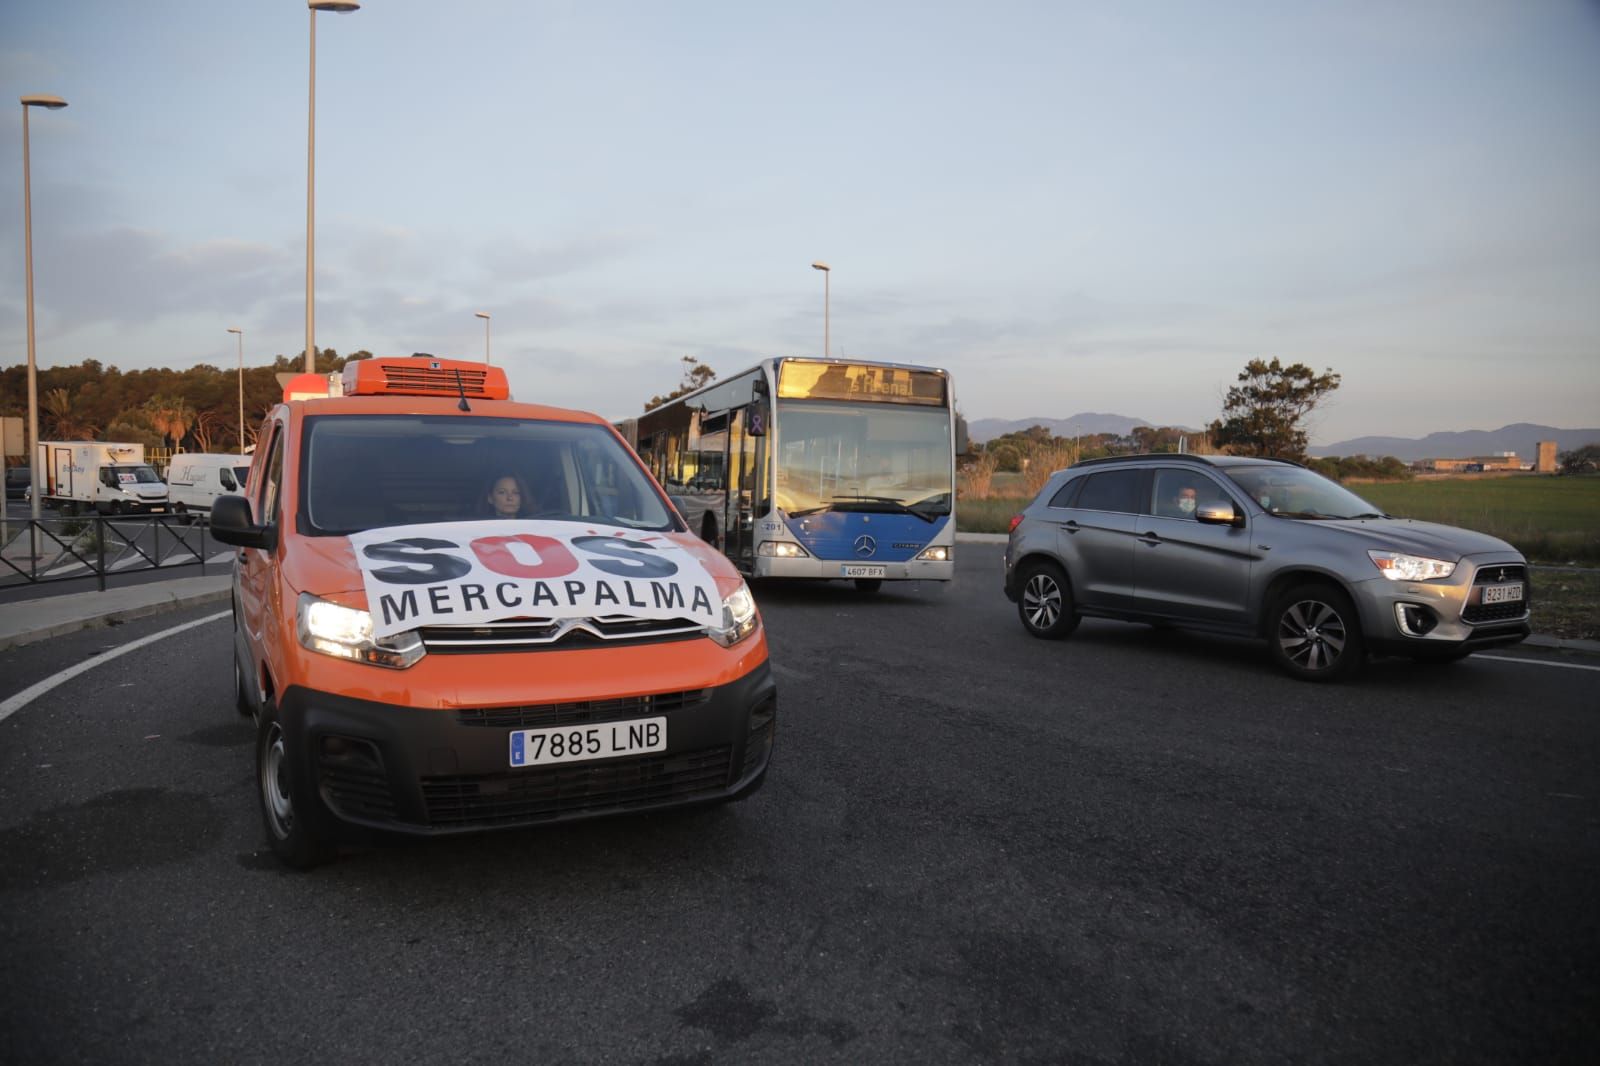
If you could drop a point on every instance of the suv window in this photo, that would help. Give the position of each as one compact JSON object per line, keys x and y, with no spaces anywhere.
{"x":1064,"y":495}
{"x":1111,"y":490}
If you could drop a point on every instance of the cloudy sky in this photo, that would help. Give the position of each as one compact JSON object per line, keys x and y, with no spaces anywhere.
{"x":1072,"y":206}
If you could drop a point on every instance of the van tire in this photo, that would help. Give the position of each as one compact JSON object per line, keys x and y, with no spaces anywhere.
{"x":241,"y":698}
{"x":289,"y":809}
{"x":1315,"y":633}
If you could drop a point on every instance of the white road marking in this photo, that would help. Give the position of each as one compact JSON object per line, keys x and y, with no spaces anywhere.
{"x":1536,"y":662}
{"x":33,"y":692}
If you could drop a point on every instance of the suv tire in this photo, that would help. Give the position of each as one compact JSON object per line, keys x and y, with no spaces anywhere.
{"x":288,"y":809}
{"x":1314,"y":633}
{"x":1044,"y":602}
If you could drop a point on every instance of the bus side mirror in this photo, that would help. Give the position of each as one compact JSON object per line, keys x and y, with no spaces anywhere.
{"x":756,"y":418}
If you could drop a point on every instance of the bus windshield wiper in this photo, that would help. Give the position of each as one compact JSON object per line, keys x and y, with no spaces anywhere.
{"x":809,"y":510}
{"x":876,"y":504}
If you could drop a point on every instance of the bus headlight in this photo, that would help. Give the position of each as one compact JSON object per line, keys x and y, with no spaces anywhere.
{"x":738,"y":618}
{"x":346,"y":633}
{"x":782,"y":549}
{"x":939,"y":553}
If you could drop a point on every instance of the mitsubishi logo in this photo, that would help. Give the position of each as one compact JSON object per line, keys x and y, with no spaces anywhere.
{"x":865,"y":546}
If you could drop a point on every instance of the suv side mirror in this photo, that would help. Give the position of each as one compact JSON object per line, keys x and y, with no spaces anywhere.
{"x":1219,"y":514}
{"x":231,"y":523}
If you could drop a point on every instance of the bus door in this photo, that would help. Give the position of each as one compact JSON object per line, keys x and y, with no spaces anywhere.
{"x":746,"y":467}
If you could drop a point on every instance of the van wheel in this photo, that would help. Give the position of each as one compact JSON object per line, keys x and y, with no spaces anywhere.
{"x":1045,"y":605}
{"x":1315,"y":633}
{"x":287,"y":807}
{"x":181,"y":510}
{"x":241,"y":697}
{"x":116,"y":507}
{"x":868,"y":585}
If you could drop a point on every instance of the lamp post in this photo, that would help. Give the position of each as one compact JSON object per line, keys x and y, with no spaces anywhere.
{"x":50,"y":103}
{"x":342,"y":7}
{"x":827,"y":273}
{"x":485,"y":316}
{"x":240,"y":333}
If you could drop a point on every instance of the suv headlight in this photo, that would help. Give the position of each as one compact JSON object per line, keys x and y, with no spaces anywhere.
{"x":346,"y":633}
{"x":738,"y":618}
{"x":1397,"y":566}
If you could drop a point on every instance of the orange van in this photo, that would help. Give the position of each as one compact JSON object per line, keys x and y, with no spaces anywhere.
{"x":455,"y":612}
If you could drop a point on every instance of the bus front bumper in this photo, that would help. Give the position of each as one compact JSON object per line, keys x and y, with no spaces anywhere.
{"x":812,"y":567}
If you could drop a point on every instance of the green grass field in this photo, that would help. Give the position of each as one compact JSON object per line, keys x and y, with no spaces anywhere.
{"x":1548,"y":519}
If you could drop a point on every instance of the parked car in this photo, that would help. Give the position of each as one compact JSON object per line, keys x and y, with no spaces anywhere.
{"x":1262,"y":548}
{"x":18,"y":478}
{"x":428,"y":651}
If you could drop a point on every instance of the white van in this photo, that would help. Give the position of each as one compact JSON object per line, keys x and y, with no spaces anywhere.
{"x":195,"y":481}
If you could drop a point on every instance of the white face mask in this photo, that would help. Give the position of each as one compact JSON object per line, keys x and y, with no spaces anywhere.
{"x":1186,"y":505}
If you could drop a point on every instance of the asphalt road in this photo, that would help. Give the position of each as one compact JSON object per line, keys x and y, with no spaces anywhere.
{"x":973,"y":846}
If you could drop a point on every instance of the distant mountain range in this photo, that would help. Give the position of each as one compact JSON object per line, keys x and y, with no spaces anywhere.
{"x":1520,"y":437}
{"x":1085,"y":423}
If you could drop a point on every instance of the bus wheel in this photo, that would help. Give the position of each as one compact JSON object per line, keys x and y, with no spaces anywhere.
{"x":868,"y":585}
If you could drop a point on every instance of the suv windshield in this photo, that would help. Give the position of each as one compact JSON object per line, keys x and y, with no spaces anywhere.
{"x":1294,"y":492}
{"x":367,"y":471}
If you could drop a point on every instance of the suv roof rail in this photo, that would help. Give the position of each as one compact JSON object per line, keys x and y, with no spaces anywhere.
{"x":1177,"y":457}
{"x":1183,"y":457}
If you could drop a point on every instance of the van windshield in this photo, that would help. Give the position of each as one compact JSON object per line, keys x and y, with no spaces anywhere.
{"x":369,"y":471}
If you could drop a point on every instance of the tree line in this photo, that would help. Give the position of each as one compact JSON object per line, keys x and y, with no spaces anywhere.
{"x":196,"y":409}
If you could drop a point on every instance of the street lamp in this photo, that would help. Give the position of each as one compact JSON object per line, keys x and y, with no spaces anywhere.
{"x":342,"y":7}
{"x":485,"y":316}
{"x":240,"y":332}
{"x":827,"y":273}
{"x":49,"y":103}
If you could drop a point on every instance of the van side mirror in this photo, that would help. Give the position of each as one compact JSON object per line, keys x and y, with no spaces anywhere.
{"x":231,"y":523}
{"x":1219,"y":514}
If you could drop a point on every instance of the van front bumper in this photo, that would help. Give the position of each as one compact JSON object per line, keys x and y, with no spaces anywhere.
{"x":441,"y":772}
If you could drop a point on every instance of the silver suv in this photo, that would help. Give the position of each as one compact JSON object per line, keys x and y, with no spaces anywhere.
{"x":1263,"y":548}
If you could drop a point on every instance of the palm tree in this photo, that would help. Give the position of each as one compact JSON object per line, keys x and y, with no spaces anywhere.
{"x":65,"y":423}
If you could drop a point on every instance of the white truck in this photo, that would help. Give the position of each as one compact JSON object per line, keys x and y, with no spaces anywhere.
{"x":109,"y":477}
{"x":196,"y":479}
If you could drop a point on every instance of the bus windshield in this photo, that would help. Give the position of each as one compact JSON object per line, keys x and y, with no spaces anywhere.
{"x":863,"y":457}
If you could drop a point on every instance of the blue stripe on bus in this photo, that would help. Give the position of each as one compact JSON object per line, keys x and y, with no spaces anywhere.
{"x":896,"y":538}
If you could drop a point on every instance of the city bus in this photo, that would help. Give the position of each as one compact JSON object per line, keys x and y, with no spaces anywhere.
{"x":815,"y":468}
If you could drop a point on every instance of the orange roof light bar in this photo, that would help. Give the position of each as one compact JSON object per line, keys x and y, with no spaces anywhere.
{"x":425,"y":377}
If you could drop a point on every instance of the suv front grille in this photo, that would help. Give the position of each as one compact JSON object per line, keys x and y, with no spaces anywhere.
{"x":1490,"y":577}
{"x":556,"y":714}
{"x":530,"y":634}
{"x":535,"y":795}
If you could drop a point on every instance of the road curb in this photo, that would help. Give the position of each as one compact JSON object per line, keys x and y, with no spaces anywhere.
{"x":56,"y":615}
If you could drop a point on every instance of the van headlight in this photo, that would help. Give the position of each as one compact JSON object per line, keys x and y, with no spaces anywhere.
{"x":738,"y":618}
{"x":1397,"y":566}
{"x":346,"y":633}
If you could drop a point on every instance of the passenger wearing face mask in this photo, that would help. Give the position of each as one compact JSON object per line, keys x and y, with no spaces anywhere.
{"x":1186,"y":500}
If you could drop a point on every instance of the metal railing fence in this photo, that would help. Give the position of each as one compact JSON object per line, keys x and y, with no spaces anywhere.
{"x":71,"y":548}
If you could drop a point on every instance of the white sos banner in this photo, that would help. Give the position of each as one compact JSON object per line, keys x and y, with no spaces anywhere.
{"x":467,"y":573}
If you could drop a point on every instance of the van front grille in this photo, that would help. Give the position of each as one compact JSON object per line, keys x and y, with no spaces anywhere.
{"x":556,"y":714}
{"x":537,"y":795}
{"x":532,"y":634}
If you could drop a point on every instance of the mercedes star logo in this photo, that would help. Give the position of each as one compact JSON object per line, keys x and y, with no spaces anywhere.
{"x":865,"y":546}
